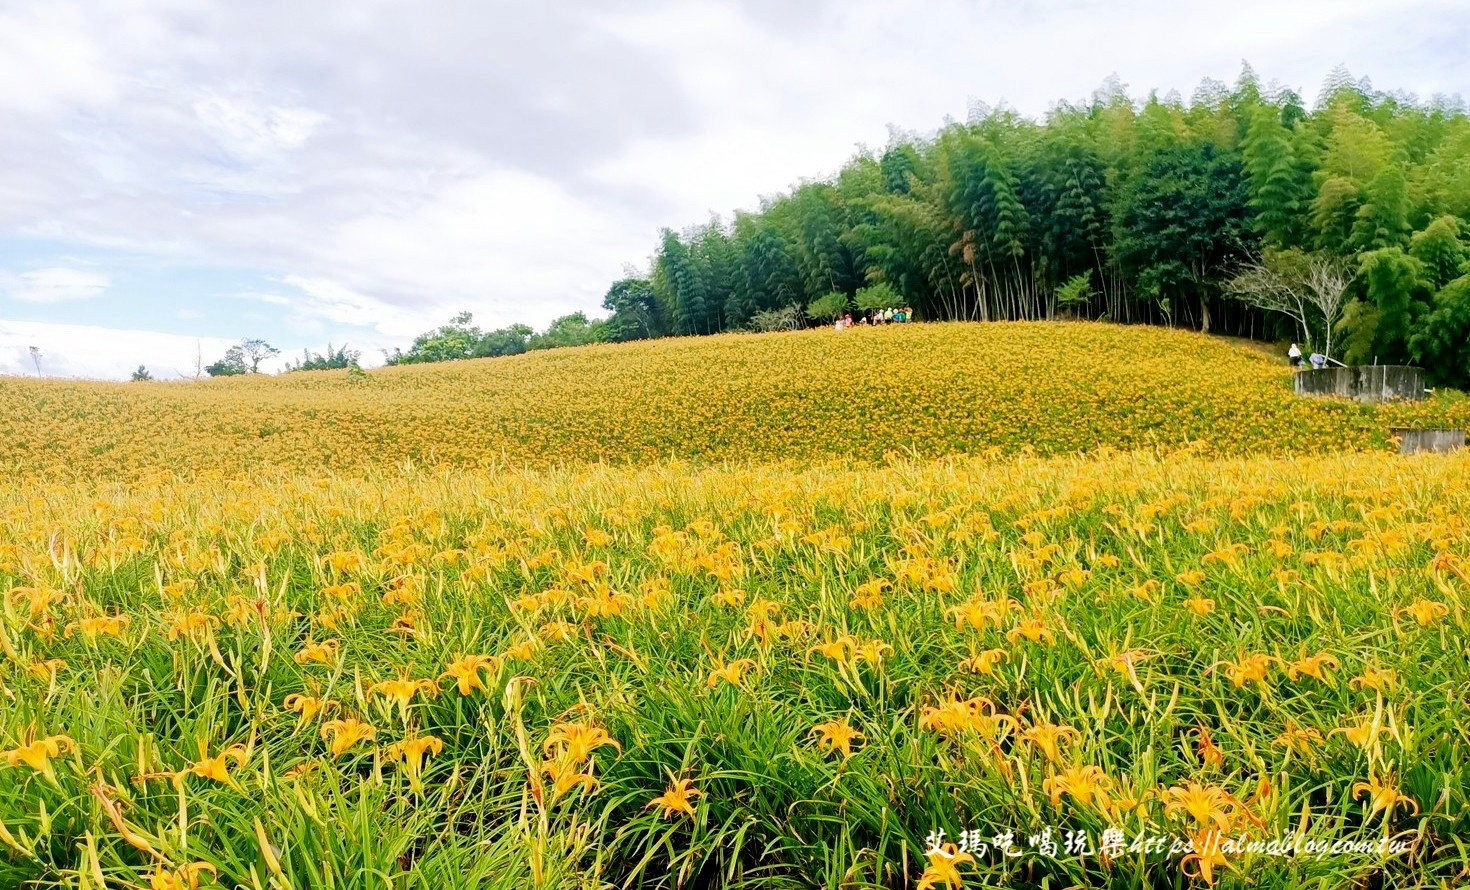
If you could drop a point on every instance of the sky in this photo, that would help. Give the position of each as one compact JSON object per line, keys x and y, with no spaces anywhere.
{"x":176,"y":175}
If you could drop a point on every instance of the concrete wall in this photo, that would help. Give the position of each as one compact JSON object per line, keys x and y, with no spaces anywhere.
{"x":1368,"y":383}
{"x":1440,"y":441}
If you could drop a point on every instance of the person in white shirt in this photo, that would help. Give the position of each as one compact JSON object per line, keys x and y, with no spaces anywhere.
{"x":1294,"y":355}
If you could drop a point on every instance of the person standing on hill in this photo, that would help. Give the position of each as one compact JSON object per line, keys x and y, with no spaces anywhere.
{"x":1294,"y":355}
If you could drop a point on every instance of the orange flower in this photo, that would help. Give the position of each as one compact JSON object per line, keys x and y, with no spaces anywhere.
{"x":38,"y":754}
{"x":324,"y":652}
{"x":1085,"y":784}
{"x":1383,"y":797}
{"x":836,"y":735}
{"x":679,"y":798}
{"x":467,"y":672}
{"x":344,"y":734}
{"x":944,"y":868}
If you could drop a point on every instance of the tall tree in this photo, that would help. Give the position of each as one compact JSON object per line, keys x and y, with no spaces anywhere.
{"x":685,"y":287}
{"x":1183,"y":222}
{"x":635,"y":310}
{"x":1280,"y":183}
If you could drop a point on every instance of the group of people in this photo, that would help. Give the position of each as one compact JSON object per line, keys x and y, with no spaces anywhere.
{"x":1294,"y":355}
{"x":877,"y":316}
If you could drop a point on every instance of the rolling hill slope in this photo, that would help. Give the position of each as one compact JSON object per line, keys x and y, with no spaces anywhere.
{"x":932,"y":389}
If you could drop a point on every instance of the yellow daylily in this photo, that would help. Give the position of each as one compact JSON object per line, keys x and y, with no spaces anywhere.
{"x":46,"y":670}
{"x":1317,"y":667}
{"x":1206,"y":856}
{"x":978,"y":613}
{"x":837,"y":649}
{"x":1033,"y":629}
{"x":1209,"y":752}
{"x":836,"y":735}
{"x":216,"y":768}
{"x":467,"y":672}
{"x":1383,"y":797}
{"x":944,"y":868}
{"x":400,"y":692}
{"x":679,"y":798}
{"x":1302,"y":740}
{"x":732,"y":673}
{"x":985,"y":662}
{"x":413,"y":752}
{"x":566,"y":775}
{"x":97,"y":626}
{"x":1376,"y":679}
{"x":38,"y":754}
{"x":1424,"y":612}
{"x":344,"y":734}
{"x":1200,"y":605}
{"x":977,"y":715}
{"x":1208,"y":805}
{"x":309,"y":707}
{"x":1047,"y":737}
{"x":1249,"y":669}
{"x":1126,"y":664}
{"x":1086,"y":784}
{"x":575,"y":741}
{"x":523,"y":651}
{"x":324,"y":652}
{"x":185,"y":877}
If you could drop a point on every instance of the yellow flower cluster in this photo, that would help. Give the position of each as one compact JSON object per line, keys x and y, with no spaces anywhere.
{"x":928,"y":390}
{"x":605,"y":656}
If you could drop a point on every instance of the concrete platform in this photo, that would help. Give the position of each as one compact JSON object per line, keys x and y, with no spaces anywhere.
{"x":1366,"y":383}
{"x":1436,"y":441}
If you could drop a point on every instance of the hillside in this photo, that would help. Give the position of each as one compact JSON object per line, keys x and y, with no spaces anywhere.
{"x":929,"y":389}
{"x":661,"y":674}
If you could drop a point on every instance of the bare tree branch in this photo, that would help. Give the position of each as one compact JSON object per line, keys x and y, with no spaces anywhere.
{"x":1326,"y":285}
{"x":1257,"y":284}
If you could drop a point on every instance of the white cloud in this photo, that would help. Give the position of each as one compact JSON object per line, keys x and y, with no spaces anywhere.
{"x":94,"y":352}
{"x":391,"y":164}
{"x":332,"y":302}
{"x":519,"y":245}
{"x":250,"y":128}
{"x":55,"y":285}
{"x":48,"y":60}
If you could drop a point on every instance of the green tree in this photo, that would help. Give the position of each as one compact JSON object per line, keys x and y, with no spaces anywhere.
{"x":332,"y":359}
{"x":686,"y":293}
{"x":1441,"y":344}
{"x":233,"y":364}
{"x":141,"y":375}
{"x":510,"y":340}
{"x":1075,"y":293}
{"x":1439,"y":248}
{"x":1395,"y":285}
{"x":1183,"y":222}
{"x":878,"y":296}
{"x":900,"y":167}
{"x":786,"y":318}
{"x":449,"y":342}
{"x":635,"y":310}
{"x":829,"y":306}
{"x":1280,"y":183}
{"x":1383,"y":220}
{"x":570,"y":330}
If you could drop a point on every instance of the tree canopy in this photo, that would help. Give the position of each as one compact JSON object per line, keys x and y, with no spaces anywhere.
{"x":1241,"y":212}
{"x":1159,"y":202}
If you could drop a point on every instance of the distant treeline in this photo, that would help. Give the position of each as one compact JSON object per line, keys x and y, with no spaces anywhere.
{"x":1343,"y":226}
{"x":1216,"y":214}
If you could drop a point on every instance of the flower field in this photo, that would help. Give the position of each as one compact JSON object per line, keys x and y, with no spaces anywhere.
{"x":690,"y":614}
{"x":925,"y":390}
{"x":763,"y":676}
